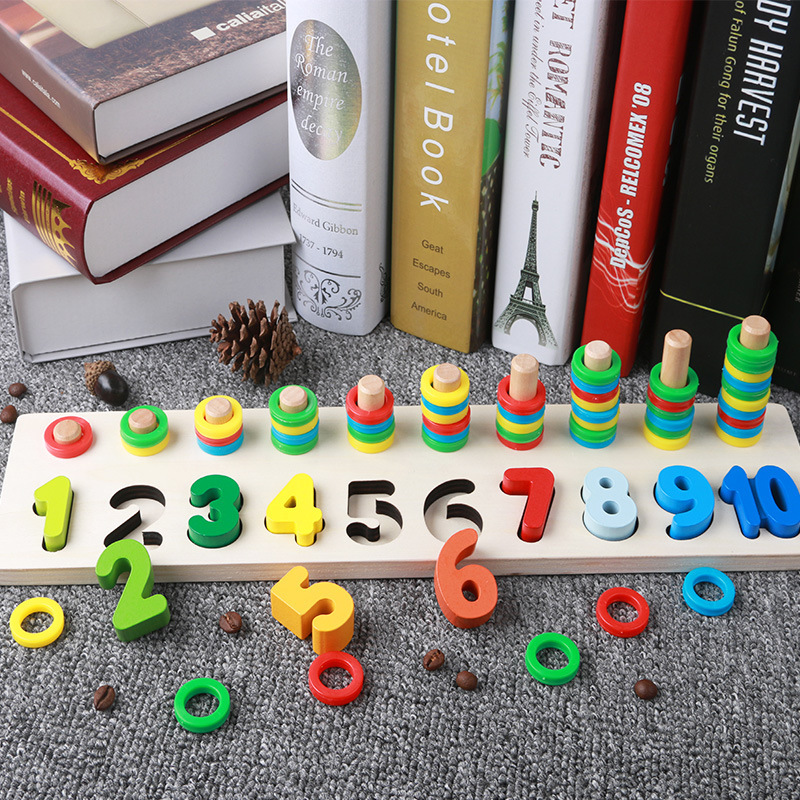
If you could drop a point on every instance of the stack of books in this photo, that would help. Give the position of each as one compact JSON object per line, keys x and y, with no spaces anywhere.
{"x":127,"y":128}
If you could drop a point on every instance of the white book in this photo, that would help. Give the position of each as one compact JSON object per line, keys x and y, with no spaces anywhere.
{"x":340,"y":94}
{"x":58,"y":313}
{"x":562,"y":67}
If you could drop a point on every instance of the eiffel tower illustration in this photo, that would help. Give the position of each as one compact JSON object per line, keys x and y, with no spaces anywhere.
{"x":530,"y":308}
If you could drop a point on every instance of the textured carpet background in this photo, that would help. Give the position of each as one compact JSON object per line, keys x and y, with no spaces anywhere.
{"x":725,"y":724}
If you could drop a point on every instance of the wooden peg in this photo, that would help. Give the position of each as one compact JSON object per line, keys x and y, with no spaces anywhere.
{"x":446,"y":378}
{"x":67,"y":431}
{"x":597,"y":355}
{"x":293,"y":399}
{"x":371,"y":393}
{"x":755,"y":332}
{"x":218,"y":410}
{"x":524,"y":378}
{"x":675,"y":358}
{"x":142,"y":420}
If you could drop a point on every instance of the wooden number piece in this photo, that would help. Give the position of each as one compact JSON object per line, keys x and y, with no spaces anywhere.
{"x":224,"y":500}
{"x":769,"y":500}
{"x":138,"y":611}
{"x":325,"y":610}
{"x":538,"y":485}
{"x":610,"y":513}
{"x":53,"y":501}
{"x":451,"y":582}
{"x":293,"y":511}
{"x":686,"y":493}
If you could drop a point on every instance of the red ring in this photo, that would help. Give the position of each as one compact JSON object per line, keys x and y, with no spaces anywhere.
{"x":520,"y":445}
{"x":335,"y":697}
{"x":666,"y":405}
{"x":621,"y":594}
{"x":369,"y":417}
{"x":218,"y":442}
{"x":74,"y":448}
{"x":594,"y":398}
{"x":743,"y":424}
{"x":447,"y":428}
{"x":521,"y":407}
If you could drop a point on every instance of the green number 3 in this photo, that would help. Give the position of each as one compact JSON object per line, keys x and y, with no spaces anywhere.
{"x":222,"y":496}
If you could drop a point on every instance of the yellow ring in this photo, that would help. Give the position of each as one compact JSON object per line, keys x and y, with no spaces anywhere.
{"x":599,"y":426}
{"x":746,"y":376}
{"x":744,"y":405}
{"x":444,"y":419}
{"x":587,"y":406}
{"x":146,"y":451}
{"x":222,"y":431}
{"x":665,"y":444}
{"x":370,"y":447}
{"x":736,"y":441}
{"x":32,"y":606}
{"x":519,"y":427}
{"x":297,"y":430}
{"x":444,"y":398}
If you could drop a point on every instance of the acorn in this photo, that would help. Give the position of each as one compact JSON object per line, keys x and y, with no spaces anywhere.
{"x":105,"y":383}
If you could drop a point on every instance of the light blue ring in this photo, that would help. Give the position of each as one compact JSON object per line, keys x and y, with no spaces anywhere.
{"x":445,"y":410}
{"x":709,"y":608}
{"x":520,"y":419}
{"x":744,"y":386}
{"x":594,"y":416}
{"x":672,"y":425}
{"x":224,"y":450}
{"x":303,"y":438}
{"x":378,"y":427}
{"x":591,"y":389}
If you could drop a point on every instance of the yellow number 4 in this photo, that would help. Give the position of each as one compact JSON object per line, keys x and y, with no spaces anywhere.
{"x":293,"y":511}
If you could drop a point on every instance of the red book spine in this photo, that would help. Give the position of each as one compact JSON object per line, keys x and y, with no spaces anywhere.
{"x":650,"y":66}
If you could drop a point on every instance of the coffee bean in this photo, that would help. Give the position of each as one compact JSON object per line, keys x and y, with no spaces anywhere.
{"x":645,"y":689}
{"x":433,"y":659}
{"x":17,"y":389}
{"x":466,"y":680}
{"x":8,"y":415}
{"x":231,"y":622}
{"x":104,"y":697}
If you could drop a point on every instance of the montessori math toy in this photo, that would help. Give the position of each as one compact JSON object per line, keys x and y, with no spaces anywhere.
{"x":372,"y":490}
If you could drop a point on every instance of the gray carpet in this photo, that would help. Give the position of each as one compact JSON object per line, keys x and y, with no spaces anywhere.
{"x":724,"y":725}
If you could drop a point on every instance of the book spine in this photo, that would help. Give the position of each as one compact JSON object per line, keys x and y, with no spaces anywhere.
{"x":648,"y":76}
{"x":563,"y":61}
{"x":339,"y":160}
{"x":449,"y":128}
{"x":738,"y":158}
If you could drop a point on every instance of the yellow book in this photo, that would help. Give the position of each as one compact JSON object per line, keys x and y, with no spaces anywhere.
{"x":449,"y":114}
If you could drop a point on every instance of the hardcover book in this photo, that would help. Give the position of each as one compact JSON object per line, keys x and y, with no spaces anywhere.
{"x":651,"y":60}
{"x":448,"y":141}
{"x":107,"y":219}
{"x":119,"y":74}
{"x":562,"y":71}
{"x":739,"y":151}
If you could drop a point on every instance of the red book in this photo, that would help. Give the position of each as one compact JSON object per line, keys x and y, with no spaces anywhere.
{"x":107,"y":219}
{"x":650,"y":66}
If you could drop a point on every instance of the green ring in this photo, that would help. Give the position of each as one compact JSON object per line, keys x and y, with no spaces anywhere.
{"x":294,"y":449}
{"x":596,"y":437}
{"x":156,"y":436}
{"x":741,"y":394}
{"x":750,"y":361}
{"x":443,"y":447}
{"x":590,"y":376}
{"x":518,"y":438}
{"x":668,"y":415}
{"x":552,"y":677}
{"x":297,"y":419}
{"x":210,"y":722}
{"x":666,"y":434}
{"x":667,"y":393}
{"x":371,"y":438}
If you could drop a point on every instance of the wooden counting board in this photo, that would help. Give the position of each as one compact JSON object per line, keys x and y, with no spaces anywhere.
{"x":408,"y":498}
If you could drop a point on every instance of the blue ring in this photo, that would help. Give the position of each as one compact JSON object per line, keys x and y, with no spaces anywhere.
{"x":445,"y":410}
{"x":594,"y":416}
{"x":709,"y":608}
{"x":224,"y":450}
{"x":591,"y":389}
{"x":739,"y":433}
{"x":520,"y":419}
{"x":744,"y":386}
{"x":752,"y":396}
{"x":303,"y":438}
{"x":592,"y":445}
{"x":672,"y":425}
{"x":378,"y":427}
{"x":735,"y":413}
{"x":447,"y":438}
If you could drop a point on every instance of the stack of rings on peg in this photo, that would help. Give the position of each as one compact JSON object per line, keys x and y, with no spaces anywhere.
{"x":445,"y":407}
{"x":218,"y":425}
{"x":670,"y":395}
{"x":370,"y":415}
{"x":294,"y":412}
{"x":595,"y":394}
{"x":746,"y":377}
{"x":68,"y":437}
{"x":144,"y":431}
{"x":520,"y":405}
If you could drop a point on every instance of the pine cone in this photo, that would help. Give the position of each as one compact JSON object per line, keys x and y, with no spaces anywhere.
{"x":92,"y":371}
{"x":261,"y":345}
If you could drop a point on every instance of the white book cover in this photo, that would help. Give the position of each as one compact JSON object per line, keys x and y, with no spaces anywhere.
{"x":562,"y":66}
{"x":340,"y":91}
{"x":60,"y":314}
